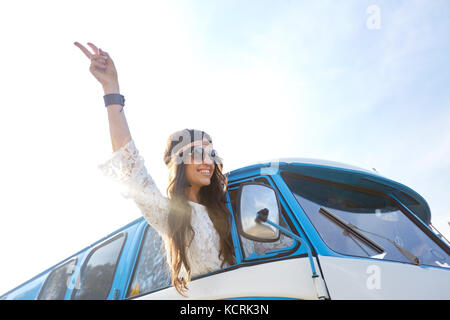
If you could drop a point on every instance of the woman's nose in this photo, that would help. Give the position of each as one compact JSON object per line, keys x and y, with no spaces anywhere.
{"x":207,"y":159}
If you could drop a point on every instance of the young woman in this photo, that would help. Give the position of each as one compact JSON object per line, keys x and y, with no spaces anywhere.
{"x":193,"y":220}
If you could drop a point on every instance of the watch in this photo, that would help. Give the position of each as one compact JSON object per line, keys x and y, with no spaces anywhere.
{"x":114,"y":98}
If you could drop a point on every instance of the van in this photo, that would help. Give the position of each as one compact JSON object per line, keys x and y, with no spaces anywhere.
{"x":301,"y":228}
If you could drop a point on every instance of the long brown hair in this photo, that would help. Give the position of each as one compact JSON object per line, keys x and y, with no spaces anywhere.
{"x":213,"y":197}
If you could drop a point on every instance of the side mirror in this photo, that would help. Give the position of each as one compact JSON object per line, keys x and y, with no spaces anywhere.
{"x":253,"y":200}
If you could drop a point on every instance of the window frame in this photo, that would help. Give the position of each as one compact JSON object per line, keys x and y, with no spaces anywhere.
{"x":41,"y":291}
{"x":135,"y":262}
{"x":123,"y":234}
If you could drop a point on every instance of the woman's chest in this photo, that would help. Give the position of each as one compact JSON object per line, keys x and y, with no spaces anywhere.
{"x":206,"y":242}
{"x":203,"y":227}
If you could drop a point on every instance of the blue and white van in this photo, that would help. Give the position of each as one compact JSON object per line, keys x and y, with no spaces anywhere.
{"x":302,"y":229}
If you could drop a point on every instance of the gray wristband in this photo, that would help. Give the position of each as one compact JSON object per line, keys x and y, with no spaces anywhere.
{"x":114,"y":98}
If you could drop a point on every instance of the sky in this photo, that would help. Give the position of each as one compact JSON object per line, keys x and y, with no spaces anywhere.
{"x":365,"y":83}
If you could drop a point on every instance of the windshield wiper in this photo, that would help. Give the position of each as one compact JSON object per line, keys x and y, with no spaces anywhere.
{"x":411,"y":257}
{"x":350,"y":228}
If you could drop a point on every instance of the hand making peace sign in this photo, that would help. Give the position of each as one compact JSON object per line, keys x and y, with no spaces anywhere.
{"x":102,"y":66}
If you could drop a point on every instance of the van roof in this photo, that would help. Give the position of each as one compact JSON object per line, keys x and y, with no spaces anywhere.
{"x":319,"y":162}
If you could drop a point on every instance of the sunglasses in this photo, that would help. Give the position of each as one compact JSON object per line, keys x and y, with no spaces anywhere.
{"x":200,"y":154}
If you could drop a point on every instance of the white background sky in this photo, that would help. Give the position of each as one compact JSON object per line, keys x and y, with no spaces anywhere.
{"x":266,"y":79}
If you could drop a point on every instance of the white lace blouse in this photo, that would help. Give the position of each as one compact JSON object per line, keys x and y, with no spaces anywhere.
{"x":126,"y":167}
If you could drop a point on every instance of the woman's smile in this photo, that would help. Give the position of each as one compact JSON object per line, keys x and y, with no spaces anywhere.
{"x":205,"y":172}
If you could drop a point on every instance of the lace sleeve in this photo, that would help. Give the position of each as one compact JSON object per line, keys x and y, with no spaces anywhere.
{"x":126,"y":167}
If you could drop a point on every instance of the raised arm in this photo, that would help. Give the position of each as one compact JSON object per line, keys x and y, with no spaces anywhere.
{"x":125,"y":165}
{"x":104,"y":70}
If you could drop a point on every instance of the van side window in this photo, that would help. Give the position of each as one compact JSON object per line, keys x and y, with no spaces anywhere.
{"x":256,"y":249}
{"x":55,"y":286}
{"x":151,"y":271}
{"x":98,"y":270}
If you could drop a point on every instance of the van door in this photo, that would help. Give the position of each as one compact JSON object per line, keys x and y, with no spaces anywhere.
{"x":278,"y":269}
{"x":290,"y":274}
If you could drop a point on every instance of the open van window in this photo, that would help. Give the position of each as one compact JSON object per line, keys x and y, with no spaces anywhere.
{"x":375,"y":215}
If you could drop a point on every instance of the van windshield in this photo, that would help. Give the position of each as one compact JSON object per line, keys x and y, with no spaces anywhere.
{"x":374,"y":215}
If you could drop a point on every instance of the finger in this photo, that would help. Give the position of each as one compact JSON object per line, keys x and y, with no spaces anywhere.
{"x":104,"y":53}
{"x":82,"y":48}
{"x":98,"y":64}
{"x":98,"y":57}
{"x":93,"y":47}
